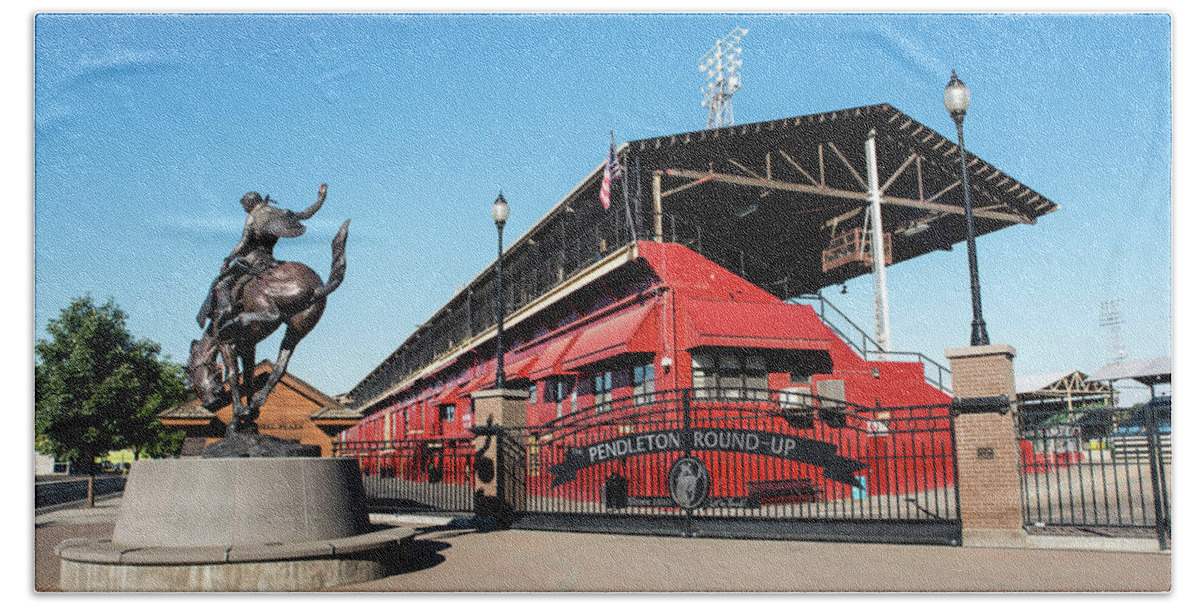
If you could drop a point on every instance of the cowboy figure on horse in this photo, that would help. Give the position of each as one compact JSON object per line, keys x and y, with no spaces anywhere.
{"x":254,"y":254}
{"x":252,"y":297}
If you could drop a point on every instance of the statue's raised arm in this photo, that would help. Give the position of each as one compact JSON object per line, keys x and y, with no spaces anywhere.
{"x":312,"y":209}
{"x":254,"y":252}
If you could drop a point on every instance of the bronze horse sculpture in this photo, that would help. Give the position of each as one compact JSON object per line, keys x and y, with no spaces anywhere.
{"x":287,"y":293}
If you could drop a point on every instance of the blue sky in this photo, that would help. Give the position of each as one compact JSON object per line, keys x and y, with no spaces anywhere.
{"x":148,"y":129}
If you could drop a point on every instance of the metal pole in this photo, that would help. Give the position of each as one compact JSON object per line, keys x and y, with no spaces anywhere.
{"x":979,"y":335}
{"x":656,"y":192}
{"x":625,"y":197}
{"x":883,"y":329}
{"x":499,"y":306}
{"x":1154,"y":450}
{"x":637,"y":198}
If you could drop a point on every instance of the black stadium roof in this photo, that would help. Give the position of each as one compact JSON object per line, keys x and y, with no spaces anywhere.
{"x":779,"y":190}
{"x":768,"y":200}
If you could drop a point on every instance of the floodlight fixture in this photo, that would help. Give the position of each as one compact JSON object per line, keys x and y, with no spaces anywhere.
{"x":723,"y":66}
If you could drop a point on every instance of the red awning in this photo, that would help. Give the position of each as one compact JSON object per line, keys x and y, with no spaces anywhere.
{"x":515,"y":366}
{"x":520,"y":368}
{"x":448,"y":393}
{"x":755,"y":325}
{"x":549,"y":362}
{"x":485,"y":379}
{"x":613,"y":335}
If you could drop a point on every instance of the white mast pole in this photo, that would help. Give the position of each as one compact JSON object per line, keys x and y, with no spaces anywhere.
{"x":883,"y":330}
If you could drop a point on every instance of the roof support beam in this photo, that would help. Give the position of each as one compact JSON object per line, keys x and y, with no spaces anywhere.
{"x":765,"y":191}
{"x":888,"y":183}
{"x":945,"y":190}
{"x":686,"y":186}
{"x":758,"y":182}
{"x":743,"y":168}
{"x":849,"y":166}
{"x":843,"y":217}
{"x":799,"y":168}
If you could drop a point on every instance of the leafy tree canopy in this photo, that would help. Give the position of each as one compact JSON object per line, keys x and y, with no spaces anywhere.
{"x":97,"y":388}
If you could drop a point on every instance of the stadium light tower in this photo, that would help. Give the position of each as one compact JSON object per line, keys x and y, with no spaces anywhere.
{"x":723,"y":64}
{"x":1112,"y":318}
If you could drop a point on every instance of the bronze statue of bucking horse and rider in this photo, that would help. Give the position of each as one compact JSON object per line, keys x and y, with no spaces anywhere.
{"x":251,"y":297}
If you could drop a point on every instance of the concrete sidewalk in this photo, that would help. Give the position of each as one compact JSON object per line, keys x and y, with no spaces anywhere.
{"x":519,"y":560}
{"x":445,"y":558}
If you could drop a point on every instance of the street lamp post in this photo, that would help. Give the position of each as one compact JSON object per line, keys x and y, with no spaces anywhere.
{"x":956,"y":98}
{"x":500,"y":215}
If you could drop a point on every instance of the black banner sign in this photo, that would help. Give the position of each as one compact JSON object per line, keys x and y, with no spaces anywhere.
{"x":799,"y":449}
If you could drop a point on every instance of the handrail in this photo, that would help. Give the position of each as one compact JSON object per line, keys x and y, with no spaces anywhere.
{"x":941,"y":379}
{"x":862,"y":350}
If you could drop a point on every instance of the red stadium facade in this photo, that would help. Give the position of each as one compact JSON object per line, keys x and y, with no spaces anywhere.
{"x":610,"y":338}
{"x":667,"y":349}
{"x":667,"y":361}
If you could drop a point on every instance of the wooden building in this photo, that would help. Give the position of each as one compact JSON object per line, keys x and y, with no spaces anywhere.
{"x":295,"y":410}
{"x":1062,"y":390}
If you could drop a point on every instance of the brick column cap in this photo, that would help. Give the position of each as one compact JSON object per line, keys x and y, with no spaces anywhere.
{"x":981,"y":351}
{"x":506,"y":393}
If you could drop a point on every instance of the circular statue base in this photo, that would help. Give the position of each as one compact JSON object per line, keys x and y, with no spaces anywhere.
{"x":236,"y":524}
{"x":253,"y":445}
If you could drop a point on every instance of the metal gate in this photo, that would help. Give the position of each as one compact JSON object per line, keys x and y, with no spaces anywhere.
{"x":742,"y":463}
{"x":1107,"y":469}
{"x":415,"y":475}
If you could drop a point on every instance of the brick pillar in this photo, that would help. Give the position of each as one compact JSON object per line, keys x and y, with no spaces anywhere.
{"x":499,"y":477}
{"x":988,"y":458}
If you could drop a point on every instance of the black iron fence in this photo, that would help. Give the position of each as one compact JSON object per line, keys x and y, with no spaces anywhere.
{"x":1096,"y":467}
{"x":742,"y":462}
{"x":717,"y":461}
{"x":415,"y":475}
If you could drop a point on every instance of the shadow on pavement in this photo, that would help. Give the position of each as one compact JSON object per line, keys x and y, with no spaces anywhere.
{"x":422,"y":554}
{"x":426,"y":549}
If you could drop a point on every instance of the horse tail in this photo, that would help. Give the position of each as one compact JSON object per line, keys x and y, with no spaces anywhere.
{"x":337,"y":271}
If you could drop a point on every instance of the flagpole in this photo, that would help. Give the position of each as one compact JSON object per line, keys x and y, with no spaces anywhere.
{"x":637,"y":196}
{"x":624,"y":191}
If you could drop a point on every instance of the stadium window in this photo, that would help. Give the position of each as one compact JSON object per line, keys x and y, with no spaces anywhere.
{"x":533,"y":393}
{"x":446,"y":411}
{"x":754,"y":375}
{"x":560,"y":390}
{"x":735,"y":376}
{"x":602,"y":384}
{"x":795,"y":396}
{"x":801,"y":376}
{"x":729,"y":377}
{"x":704,"y":376}
{"x":643,"y":383}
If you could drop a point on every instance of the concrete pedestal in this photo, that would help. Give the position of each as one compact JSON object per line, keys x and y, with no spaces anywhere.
{"x":988,"y":459}
{"x":499,"y":495}
{"x":237,"y":524}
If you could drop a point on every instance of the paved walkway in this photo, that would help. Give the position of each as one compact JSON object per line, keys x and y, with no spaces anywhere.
{"x":450,"y":559}
{"x":54,"y":525}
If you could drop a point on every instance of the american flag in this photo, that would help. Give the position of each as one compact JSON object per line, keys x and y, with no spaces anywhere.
{"x":612,"y":171}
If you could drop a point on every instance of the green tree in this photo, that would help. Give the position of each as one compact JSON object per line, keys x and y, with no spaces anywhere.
{"x":148,"y":437}
{"x":97,"y":388}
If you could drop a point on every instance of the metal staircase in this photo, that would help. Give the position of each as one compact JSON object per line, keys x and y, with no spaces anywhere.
{"x":936,"y":374}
